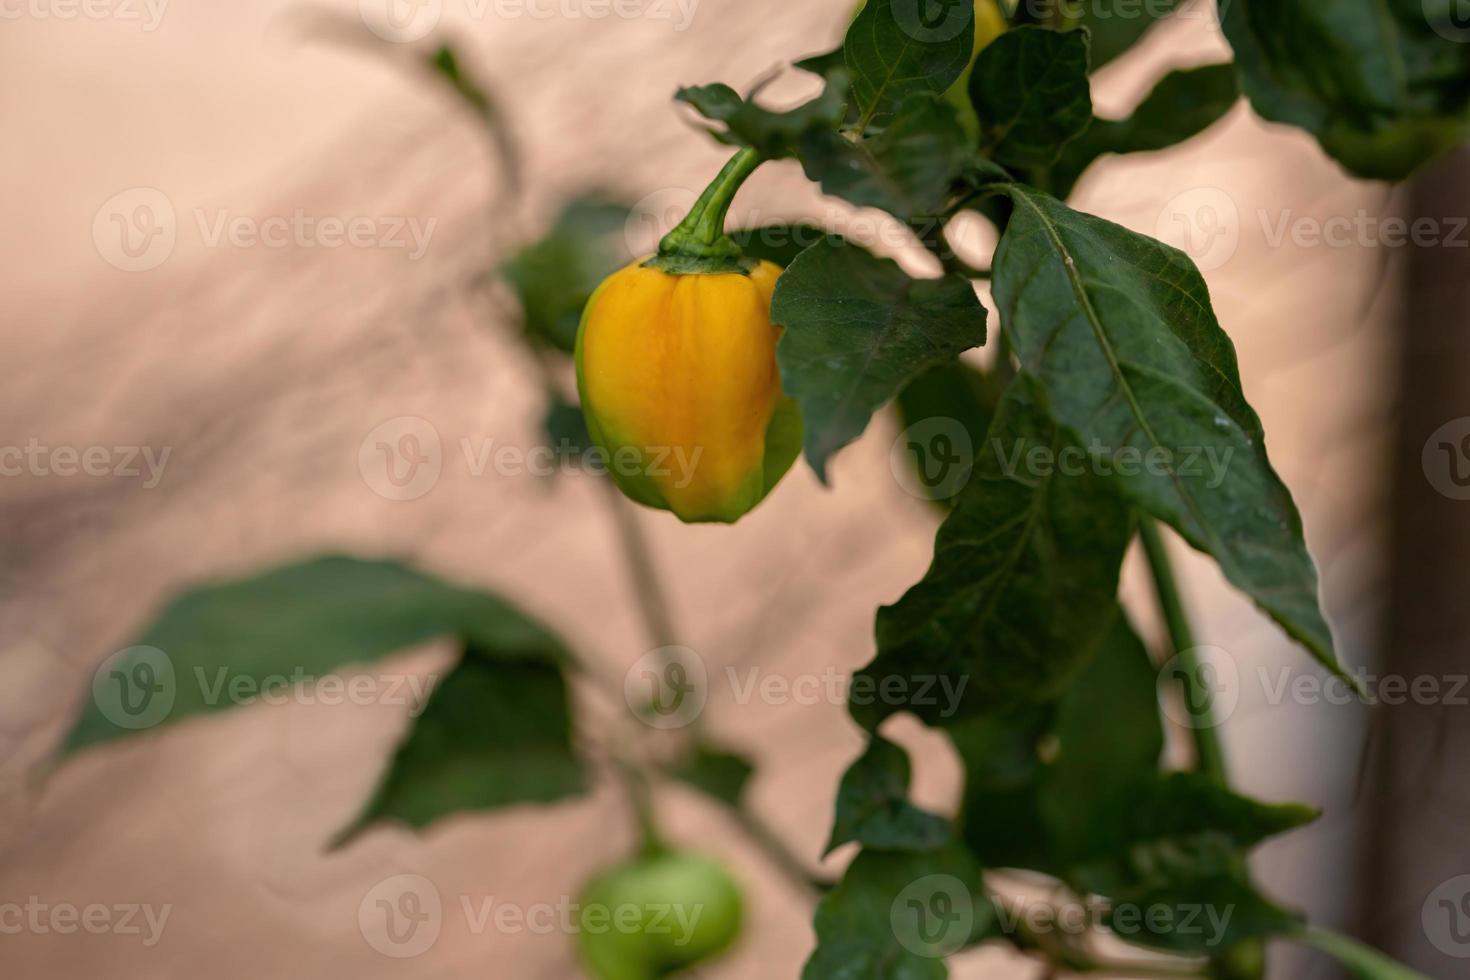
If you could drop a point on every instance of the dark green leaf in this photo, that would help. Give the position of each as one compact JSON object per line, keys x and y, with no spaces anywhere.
{"x":1182,"y":105}
{"x":824,"y":64}
{"x":894,"y":51}
{"x":896,"y":914}
{"x":300,"y":622}
{"x":1110,"y":741}
{"x":1363,"y":962}
{"x":1001,"y":816}
{"x":1024,"y":579}
{"x":555,"y":277}
{"x":954,"y":401}
{"x":1119,"y":330}
{"x":1117,"y":25}
{"x":873,"y":805}
{"x":774,"y":134}
{"x":778,"y":241}
{"x":495,"y":732}
{"x":1031,"y":94}
{"x":720,"y":774}
{"x":906,"y":170}
{"x":857,"y":329}
{"x":1384,"y":85}
{"x":566,"y":428}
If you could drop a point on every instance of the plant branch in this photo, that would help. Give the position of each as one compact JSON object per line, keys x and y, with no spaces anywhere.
{"x":1209,"y":752}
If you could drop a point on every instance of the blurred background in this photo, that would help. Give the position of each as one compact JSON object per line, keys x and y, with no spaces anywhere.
{"x":163,"y":302}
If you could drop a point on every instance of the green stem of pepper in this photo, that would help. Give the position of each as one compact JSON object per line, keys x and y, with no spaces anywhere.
{"x":699,"y":243}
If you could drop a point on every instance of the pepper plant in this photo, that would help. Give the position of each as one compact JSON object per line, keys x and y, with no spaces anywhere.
{"x":734,"y":346}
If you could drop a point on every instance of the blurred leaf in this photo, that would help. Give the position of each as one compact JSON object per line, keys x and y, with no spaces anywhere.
{"x":774,"y":134}
{"x":1001,"y":815}
{"x":1117,"y":25}
{"x":1031,"y":94}
{"x":1181,"y":106}
{"x":496,"y":731}
{"x":479,"y":99}
{"x":873,"y":805}
{"x":892,"y":54}
{"x":556,"y":276}
{"x":906,"y":170}
{"x":778,"y":241}
{"x":566,"y":428}
{"x":717,"y":773}
{"x":301,"y":622}
{"x":1384,"y":85}
{"x":857,"y":329}
{"x":879,"y":923}
{"x":1024,"y":581}
{"x":1119,"y":331}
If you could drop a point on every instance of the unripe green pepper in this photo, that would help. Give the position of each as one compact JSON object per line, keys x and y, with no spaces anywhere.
{"x":657,"y":915}
{"x":676,"y":366}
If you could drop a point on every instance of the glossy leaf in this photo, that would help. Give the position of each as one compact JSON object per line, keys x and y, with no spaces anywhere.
{"x":873,"y":805}
{"x":1384,"y":85}
{"x":1031,"y":94}
{"x":933,"y":898}
{"x":1119,"y":331}
{"x":1183,"y":104}
{"x":1024,"y":580}
{"x":905,"y":170}
{"x":857,"y":329}
{"x":496,"y":731}
{"x":299,"y":622}
{"x":894,"y":52}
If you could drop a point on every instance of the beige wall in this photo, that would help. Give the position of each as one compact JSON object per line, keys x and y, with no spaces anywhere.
{"x":262,"y":370}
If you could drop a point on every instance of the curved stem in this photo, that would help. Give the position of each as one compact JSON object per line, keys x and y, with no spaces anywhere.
{"x":698,"y":244}
{"x":1209,"y":752}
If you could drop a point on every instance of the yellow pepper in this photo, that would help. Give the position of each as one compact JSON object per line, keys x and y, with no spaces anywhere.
{"x":676,"y":366}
